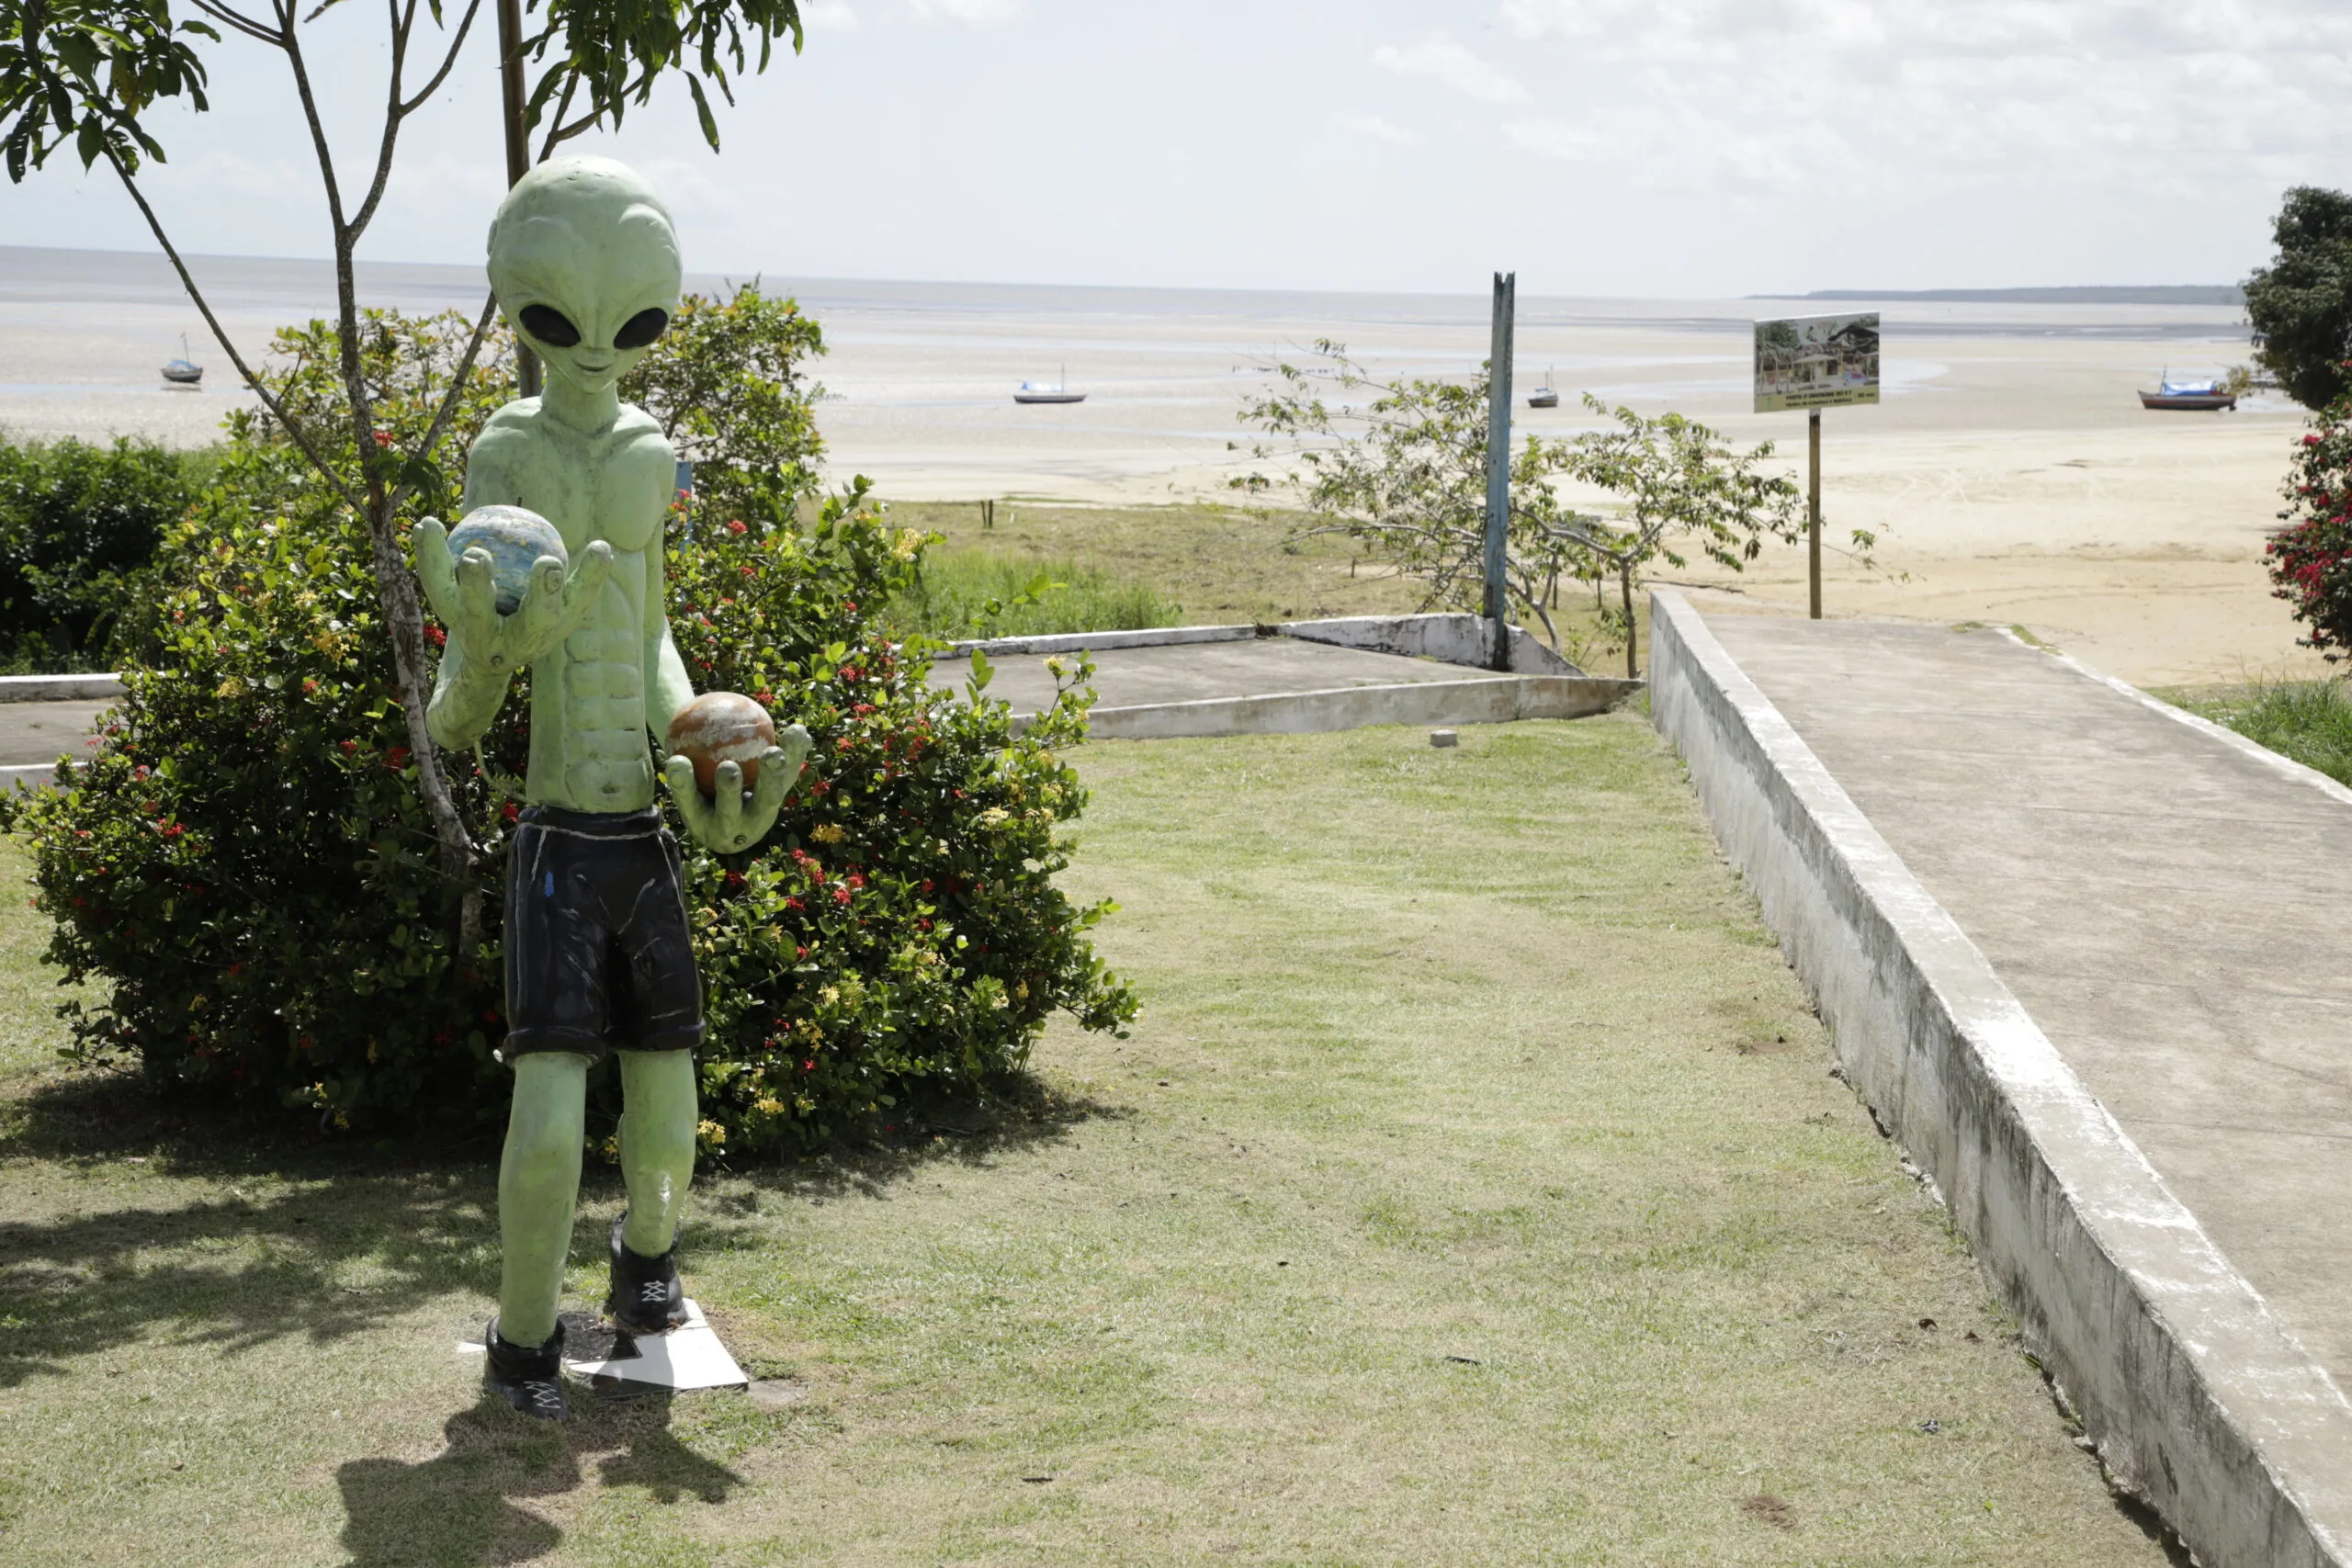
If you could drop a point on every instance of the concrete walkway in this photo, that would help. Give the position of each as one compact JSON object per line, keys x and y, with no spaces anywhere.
{"x":36,"y":734}
{"x":2172,"y":907}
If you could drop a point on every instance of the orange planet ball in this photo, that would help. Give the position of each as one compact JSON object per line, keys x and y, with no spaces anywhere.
{"x":721,"y":727}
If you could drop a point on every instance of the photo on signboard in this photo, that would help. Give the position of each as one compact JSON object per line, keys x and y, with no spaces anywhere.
{"x":1810,"y":362}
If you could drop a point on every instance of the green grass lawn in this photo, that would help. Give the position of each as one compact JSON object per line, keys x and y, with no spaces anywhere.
{"x":2308,"y":720}
{"x":1473,"y":1190}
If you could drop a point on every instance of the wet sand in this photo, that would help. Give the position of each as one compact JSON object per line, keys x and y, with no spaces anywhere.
{"x":2011,"y":475}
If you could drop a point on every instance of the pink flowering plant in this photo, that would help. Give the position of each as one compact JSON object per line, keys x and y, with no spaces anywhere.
{"x":2311,"y":557}
{"x":243,"y":870}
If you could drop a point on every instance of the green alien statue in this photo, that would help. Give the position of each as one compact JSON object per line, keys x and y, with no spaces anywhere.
{"x":585,"y":265}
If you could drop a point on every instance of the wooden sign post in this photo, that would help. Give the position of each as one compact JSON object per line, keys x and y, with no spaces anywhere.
{"x":1813,"y":362}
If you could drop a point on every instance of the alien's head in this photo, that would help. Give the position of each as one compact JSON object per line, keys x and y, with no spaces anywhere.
{"x":586,"y":266}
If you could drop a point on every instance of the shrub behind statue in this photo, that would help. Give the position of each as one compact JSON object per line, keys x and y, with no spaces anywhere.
{"x":247,"y":867}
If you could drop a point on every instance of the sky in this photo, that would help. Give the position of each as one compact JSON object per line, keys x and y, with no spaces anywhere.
{"x":1645,"y":148}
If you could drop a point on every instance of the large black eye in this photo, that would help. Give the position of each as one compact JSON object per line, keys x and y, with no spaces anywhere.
{"x":641,"y":329}
{"x":549,"y":326}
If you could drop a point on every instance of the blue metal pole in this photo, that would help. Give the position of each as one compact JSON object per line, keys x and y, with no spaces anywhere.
{"x":1497,"y":606}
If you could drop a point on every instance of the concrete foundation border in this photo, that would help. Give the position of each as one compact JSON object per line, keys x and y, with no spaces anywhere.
{"x":1497,"y":699}
{"x":2194,"y":1396}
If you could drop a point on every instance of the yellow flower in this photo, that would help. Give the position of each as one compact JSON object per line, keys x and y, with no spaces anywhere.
{"x":769,"y":1105}
{"x":993,"y":816}
{"x":827,"y":833}
{"x":907,"y":544}
{"x":231,"y":687}
{"x":710,"y":1133}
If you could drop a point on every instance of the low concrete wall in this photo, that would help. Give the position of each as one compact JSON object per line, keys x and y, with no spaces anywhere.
{"x":2194,"y":1396}
{"x":1448,"y":639}
{"x":1494,"y":699}
{"x":59,"y":688}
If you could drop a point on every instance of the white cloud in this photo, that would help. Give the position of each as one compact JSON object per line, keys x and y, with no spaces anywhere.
{"x":829,"y":15}
{"x":1439,"y":57}
{"x":1553,"y":140}
{"x":1862,"y":96}
{"x":1377,"y":128}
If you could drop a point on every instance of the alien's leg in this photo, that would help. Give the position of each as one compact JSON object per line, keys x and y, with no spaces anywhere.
{"x":660,"y":1105}
{"x":538,"y":1189}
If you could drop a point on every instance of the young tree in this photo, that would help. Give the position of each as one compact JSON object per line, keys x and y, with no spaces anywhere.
{"x":1404,"y":472}
{"x":93,"y":74}
{"x":2301,"y":303}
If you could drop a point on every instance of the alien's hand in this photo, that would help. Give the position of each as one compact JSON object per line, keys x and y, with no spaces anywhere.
{"x":734,"y":820}
{"x":465,"y":600}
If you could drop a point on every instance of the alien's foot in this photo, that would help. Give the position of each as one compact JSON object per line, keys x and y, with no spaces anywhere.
{"x":646,"y":1296}
{"x":528,"y":1377}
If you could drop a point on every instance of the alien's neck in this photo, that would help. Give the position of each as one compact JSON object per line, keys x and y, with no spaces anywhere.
{"x":588,"y":413}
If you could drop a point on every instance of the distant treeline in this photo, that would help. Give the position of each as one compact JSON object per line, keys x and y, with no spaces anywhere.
{"x":2153,"y":294}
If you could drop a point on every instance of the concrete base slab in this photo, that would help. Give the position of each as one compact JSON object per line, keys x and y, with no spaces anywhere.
{"x":688,"y":1357}
{"x":2078,"y":952}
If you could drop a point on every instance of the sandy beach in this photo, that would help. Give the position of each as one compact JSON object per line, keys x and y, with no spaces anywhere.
{"x":2011,"y":473}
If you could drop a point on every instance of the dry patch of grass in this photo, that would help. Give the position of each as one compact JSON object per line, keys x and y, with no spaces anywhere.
{"x":1473,"y":1190}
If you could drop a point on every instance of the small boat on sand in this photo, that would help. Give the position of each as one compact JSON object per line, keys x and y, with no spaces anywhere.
{"x":2202,"y":397}
{"x":183,"y":371}
{"x":1048,"y":391}
{"x":1543,"y":396}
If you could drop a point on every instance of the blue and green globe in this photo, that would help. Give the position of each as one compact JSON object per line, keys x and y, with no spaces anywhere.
{"x":515,"y":537}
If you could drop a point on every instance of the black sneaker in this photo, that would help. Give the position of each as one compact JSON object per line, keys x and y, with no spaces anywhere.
{"x":646,"y":1296}
{"x":530,"y":1377}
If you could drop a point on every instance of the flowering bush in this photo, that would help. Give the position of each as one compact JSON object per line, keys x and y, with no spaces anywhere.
{"x":246,"y":863}
{"x":2311,"y":557}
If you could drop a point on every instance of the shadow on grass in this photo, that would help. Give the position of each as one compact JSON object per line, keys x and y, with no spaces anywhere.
{"x":461,"y":1506}
{"x":338,"y":1236}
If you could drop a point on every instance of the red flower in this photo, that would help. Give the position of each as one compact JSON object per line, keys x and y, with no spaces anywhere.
{"x":848,"y":672}
{"x":383,"y":439}
{"x":308,"y":685}
{"x":796,"y":905}
{"x":736,"y":527}
{"x":841,"y":894}
{"x":172,"y":830}
{"x":927,"y":884}
{"x":810,"y":1064}
{"x":734,"y":879}
{"x":764,"y":698}
{"x":2311,"y":440}
{"x":849,"y":606}
{"x":843,"y":744}
{"x":397,"y":757}
{"x":857,"y":879}
{"x":509,"y":812}
{"x":433,"y":634}
{"x":348,"y":747}
{"x":442,"y":1038}
{"x":803,"y":951}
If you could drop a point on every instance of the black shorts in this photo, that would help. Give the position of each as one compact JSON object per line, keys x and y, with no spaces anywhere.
{"x":598,"y":957}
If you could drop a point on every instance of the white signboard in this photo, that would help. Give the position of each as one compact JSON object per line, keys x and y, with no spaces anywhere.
{"x":1815,"y":362}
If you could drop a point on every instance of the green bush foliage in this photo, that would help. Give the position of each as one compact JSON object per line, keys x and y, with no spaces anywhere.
{"x":247,"y":867}
{"x":78,"y":525}
{"x":2300,"y":304}
{"x":2310,"y":558}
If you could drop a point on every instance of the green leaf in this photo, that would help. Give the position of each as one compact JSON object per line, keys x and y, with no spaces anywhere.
{"x":702,"y":111}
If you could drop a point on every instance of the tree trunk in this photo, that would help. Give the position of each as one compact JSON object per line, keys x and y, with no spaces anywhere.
{"x":1625,"y":581}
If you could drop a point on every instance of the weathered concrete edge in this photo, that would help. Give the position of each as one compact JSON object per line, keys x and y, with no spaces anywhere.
{"x":28,"y":775}
{"x":1489,"y":699}
{"x":2286,"y":767}
{"x":1097,"y":642}
{"x":60,"y":688}
{"x":1448,"y":637}
{"x":2193,"y":1394}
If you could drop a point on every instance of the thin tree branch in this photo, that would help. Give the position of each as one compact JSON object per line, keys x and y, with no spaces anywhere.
{"x":242,"y":22}
{"x":220,"y":335}
{"x":448,"y":408}
{"x":426,"y":92}
{"x":318,"y":132}
{"x":401,"y":21}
